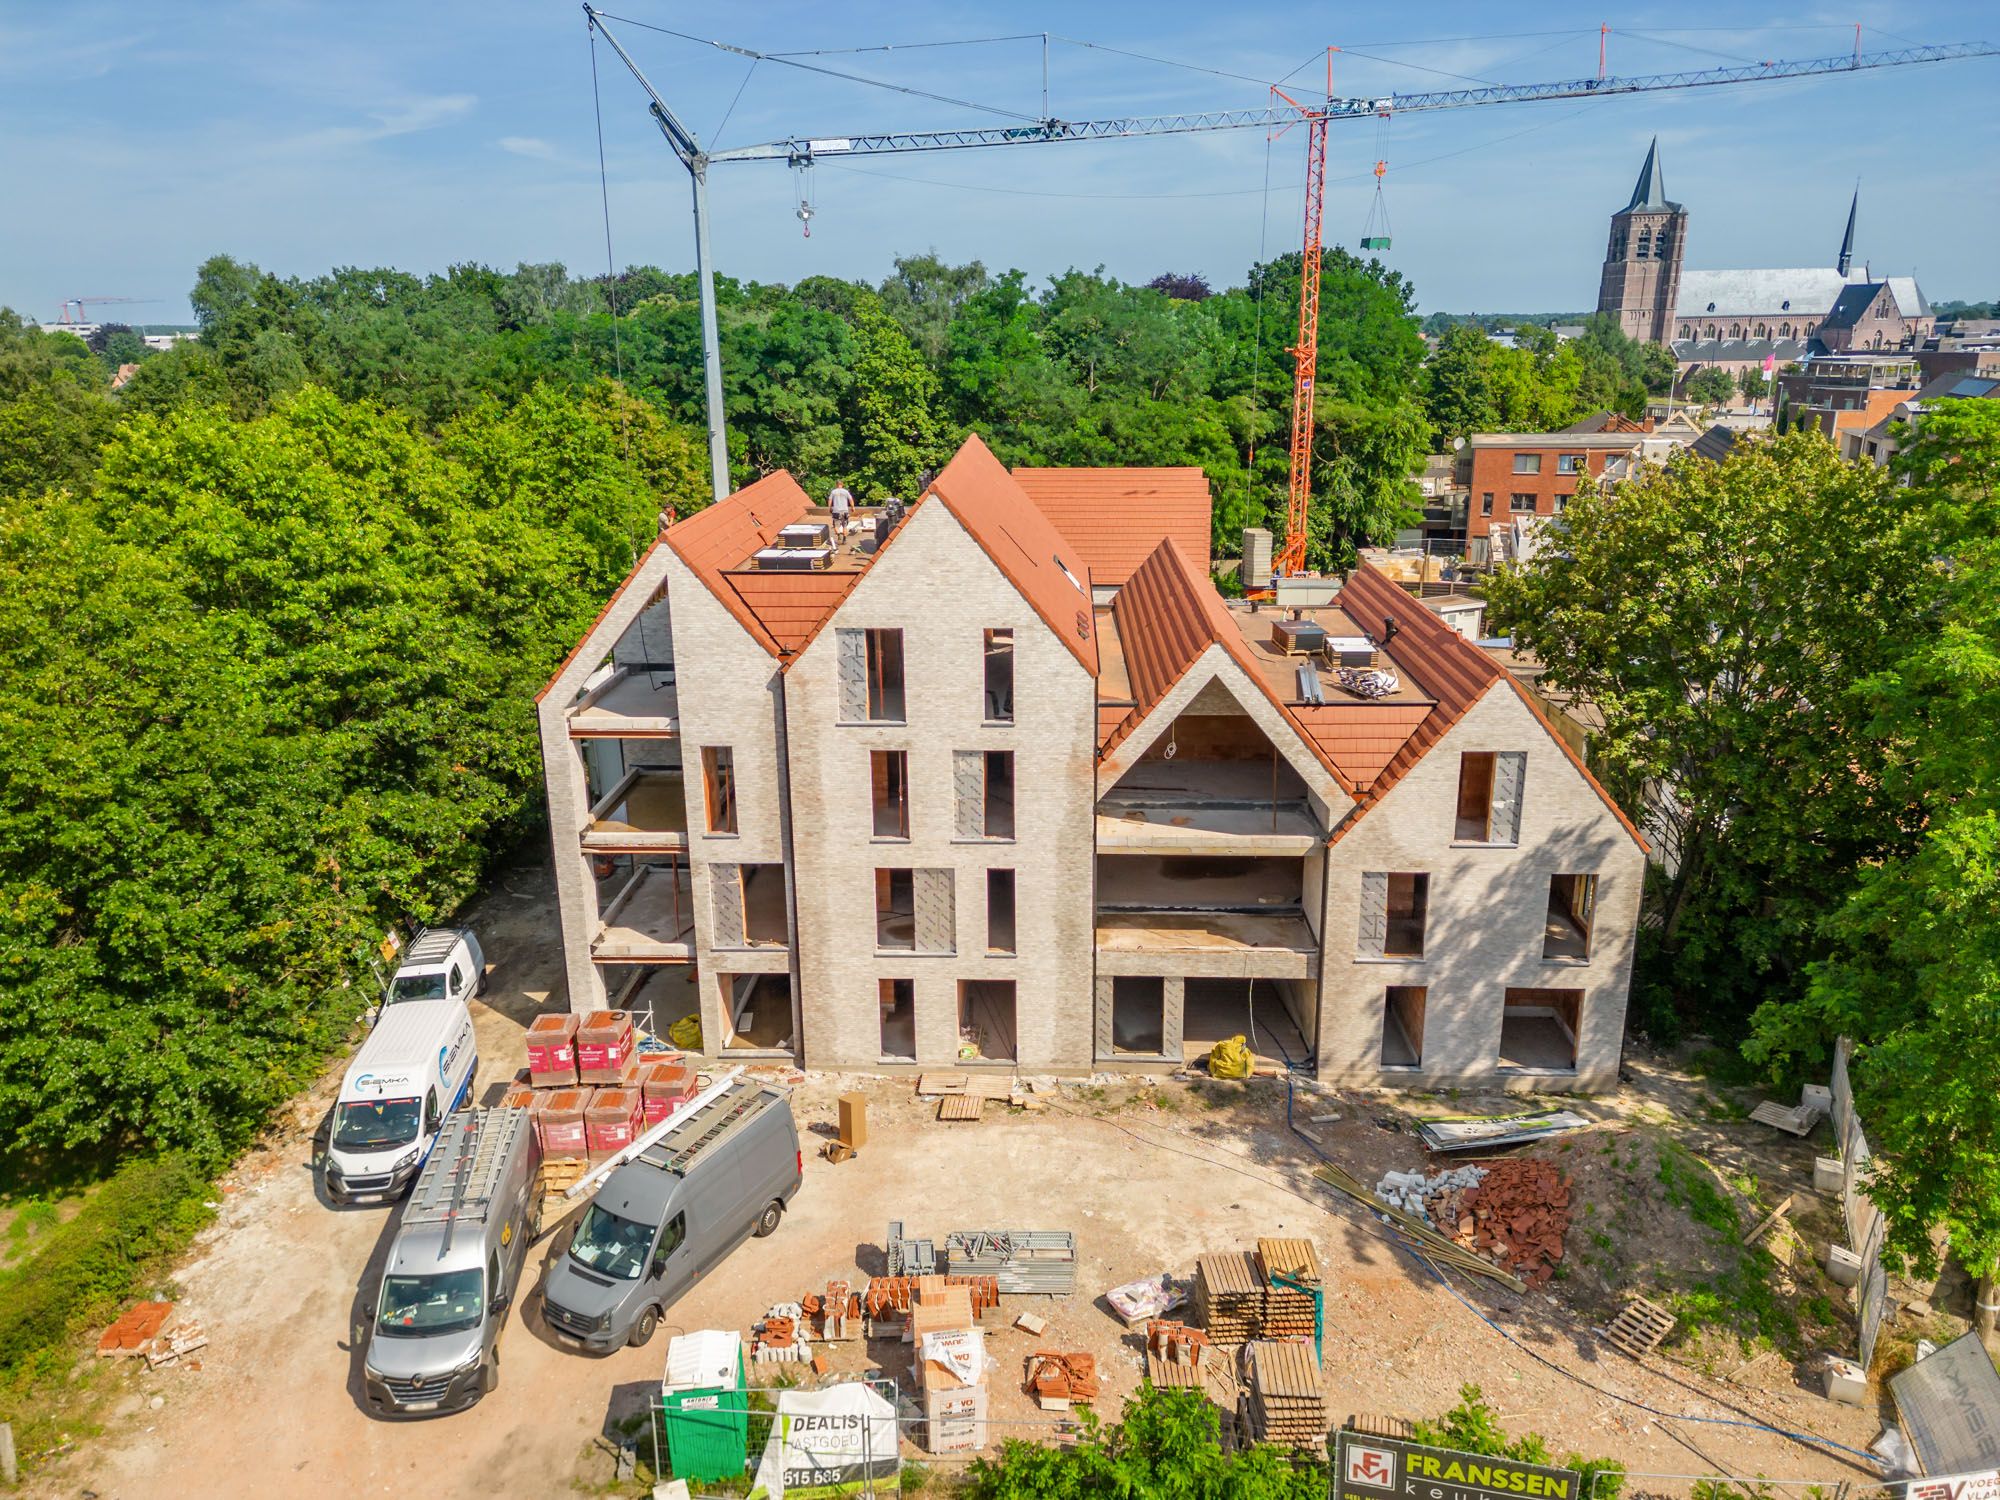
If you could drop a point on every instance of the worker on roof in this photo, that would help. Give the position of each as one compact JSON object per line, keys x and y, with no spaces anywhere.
{"x":841,"y":503}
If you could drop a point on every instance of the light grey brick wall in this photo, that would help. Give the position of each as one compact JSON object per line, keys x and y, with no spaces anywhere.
{"x":1487,"y":909}
{"x":939,"y":587}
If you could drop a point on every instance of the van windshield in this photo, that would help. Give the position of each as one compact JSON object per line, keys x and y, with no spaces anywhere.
{"x":375,"y":1124}
{"x":417,"y":987}
{"x":617,"y":1247}
{"x":414,"y":1306}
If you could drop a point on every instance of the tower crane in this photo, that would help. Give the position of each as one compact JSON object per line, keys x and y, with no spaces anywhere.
{"x":800,"y":152}
{"x":79,"y":303}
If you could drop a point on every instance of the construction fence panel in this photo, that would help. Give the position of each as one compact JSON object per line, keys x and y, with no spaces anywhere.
{"x":1842,"y":1089}
{"x":1872,"y":1293}
{"x":1639,"y":1485}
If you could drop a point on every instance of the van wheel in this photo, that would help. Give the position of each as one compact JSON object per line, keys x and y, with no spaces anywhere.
{"x":767,"y":1221}
{"x":489,"y":1378}
{"x":642,"y":1331}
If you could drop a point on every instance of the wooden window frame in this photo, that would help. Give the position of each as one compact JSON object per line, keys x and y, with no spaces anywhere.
{"x":889,"y":792}
{"x":718,"y":788}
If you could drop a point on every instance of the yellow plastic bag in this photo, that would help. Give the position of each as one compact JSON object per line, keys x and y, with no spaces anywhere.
{"x":1231,"y":1059}
{"x":686,"y":1033}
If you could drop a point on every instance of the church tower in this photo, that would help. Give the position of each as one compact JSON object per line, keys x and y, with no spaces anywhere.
{"x":1642,"y":263}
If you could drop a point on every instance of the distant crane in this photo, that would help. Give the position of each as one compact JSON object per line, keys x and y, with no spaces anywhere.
{"x":79,"y":304}
{"x":801,"y":152}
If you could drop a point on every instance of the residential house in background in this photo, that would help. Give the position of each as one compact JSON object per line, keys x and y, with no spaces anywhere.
{"x":1515,"y":481}
{"x":942,"y":794}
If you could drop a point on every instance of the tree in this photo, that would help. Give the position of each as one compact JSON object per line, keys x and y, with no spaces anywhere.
{"x":1182,"y":286}
{"x":1721,"y":617}
{"x":1752,"y":383}
{"x":1711,"y":385}
{"x":924,"y":295}
{"x":1914,"y":971}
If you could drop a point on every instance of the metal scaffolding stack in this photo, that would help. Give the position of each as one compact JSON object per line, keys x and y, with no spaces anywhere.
{"x":1030,"y":1262}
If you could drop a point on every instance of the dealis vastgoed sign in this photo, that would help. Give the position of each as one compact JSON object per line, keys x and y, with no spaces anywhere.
{"x":1372,"y":1468}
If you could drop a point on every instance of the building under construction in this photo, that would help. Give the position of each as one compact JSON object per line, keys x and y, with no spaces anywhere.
{"x":1001,"y":777}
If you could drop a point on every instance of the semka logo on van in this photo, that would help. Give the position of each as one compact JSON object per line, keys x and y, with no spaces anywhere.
{"x":448,"y":1056}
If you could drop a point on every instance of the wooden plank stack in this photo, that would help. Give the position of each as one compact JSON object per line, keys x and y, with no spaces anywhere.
{"x":1287,"y":1403}
{"x":1288,"y":1309}
{"x":1229,"y":1296}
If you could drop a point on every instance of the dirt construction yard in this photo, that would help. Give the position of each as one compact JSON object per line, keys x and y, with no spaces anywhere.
{"x":1148,"y":1175}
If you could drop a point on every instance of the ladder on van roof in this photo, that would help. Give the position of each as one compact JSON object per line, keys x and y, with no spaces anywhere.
{"x":675,"y":1154}
{"x":463,"y":1178}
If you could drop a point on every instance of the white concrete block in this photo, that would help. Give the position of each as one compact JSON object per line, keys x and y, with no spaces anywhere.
{"x":1846,"y":1382}
{"x":1826,"y":1174}
{"x":1843,"y":1265}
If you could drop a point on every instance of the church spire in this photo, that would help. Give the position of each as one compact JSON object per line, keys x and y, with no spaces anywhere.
{"x":1651,"y":189}
{"x":1847,"y":240}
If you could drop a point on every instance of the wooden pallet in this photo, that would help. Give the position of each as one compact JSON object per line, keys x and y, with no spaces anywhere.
{"x":976,"y":1085}
{"x":1639,"y":1327}
{"x":1799,"y":1121}
{"x":960,"y":1106}
{"x":1368,"y":1424}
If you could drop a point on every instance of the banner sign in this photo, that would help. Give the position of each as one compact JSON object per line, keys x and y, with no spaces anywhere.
{"x":1984,"y":1485}
{"x":829,"y":1442}
{"x":1372,"y":1468}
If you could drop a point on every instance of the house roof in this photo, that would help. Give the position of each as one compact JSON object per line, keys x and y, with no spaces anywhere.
{"x":1852,"y":303}
{"x":1607,"y":421}
{"x":1448,"y":667}
{"x":791,"y":606}
{"x":1168,"y":616}
{"x":731,"y":531}
{"x":1116,"y":517}
{"x":1023,"y":543}
{"x":1737,"y":351}
{"x":1878,"y":407}
{"x":1714,"y":444}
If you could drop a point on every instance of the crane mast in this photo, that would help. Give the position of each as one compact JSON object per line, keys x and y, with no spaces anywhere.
{"x":1305,"y":353}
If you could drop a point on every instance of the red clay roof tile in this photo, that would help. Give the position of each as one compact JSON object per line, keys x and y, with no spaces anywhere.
{"x":792,"y":605}
{"x":1116,"y":517}
{"x":723,"y":535}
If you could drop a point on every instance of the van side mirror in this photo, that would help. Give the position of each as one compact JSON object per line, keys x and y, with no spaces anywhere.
{"x":659,"y":1266}
{"x":499,"y":1304}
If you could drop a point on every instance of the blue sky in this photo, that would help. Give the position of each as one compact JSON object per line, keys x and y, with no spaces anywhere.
{"x":141,"y":138}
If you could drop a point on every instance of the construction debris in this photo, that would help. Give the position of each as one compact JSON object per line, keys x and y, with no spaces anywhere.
{"x":1028,"y":1323}
{"x":1148,"y":1297}
{"x":1764,"y":1225}
{"x":1287,"y":1404}
{"x":1056,"y":1379}
{"x":1518,"y":1214}
{"x":1639,"y":1327}
{"x":135,"y":1329}
{"x":1480,"y":1132}
{"x":170,"y":1349}
{"x":1795,"y":1121}
{"x":1413,"y":1193}
{"x":1434,"y":1245}
{"x":779,"y":1338}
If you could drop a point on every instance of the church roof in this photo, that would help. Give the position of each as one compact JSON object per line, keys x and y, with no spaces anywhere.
{"x":1650,"y":192}
{"x":1798,"y":292}
{"x":1851,"y":304}
{"x":1737,"y":351}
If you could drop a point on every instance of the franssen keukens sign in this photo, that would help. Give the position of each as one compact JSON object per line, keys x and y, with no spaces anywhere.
{"x":1372,"y":1468}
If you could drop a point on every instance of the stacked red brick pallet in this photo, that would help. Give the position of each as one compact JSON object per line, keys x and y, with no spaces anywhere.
{"x":590,"y":1093}
{"x":1287,"y":1405}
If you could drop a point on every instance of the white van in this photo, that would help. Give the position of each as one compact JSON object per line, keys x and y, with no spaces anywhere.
{"x":444,"y":963}
{"x":414,"y":1070}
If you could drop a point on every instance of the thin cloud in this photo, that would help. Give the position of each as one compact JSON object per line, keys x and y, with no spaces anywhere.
{"x":530,"y":146}
{"x":406,"y":117}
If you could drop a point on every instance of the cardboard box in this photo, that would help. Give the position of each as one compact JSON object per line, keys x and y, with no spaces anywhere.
{"x":854,"y":1121}
{"x":955,"y":1420}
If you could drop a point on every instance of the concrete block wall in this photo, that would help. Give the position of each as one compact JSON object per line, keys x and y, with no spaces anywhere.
{"x":1487,"y":909}
{"x":935,"y":584}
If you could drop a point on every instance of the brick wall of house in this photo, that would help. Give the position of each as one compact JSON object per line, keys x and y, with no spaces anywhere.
{"x":1487,"y":911}
{"x":1493,"y":474}
{"x":938,"y":586}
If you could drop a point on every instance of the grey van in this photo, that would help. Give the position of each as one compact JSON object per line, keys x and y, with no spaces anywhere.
{"x":667,"y":1217}
{"x":455,"y":1267}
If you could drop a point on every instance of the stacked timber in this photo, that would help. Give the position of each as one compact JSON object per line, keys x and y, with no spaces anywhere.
{"x":1290,"y":1272}
{"x":1229,"y":1296}
{"x":1286,"y":1406}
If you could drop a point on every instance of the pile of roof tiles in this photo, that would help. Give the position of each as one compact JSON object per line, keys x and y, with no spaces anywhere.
{"x":1056,"y":1378}
{"x":1517,"y":1215}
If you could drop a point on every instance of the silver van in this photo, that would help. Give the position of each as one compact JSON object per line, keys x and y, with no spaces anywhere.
{"x":455,"y":1267}
{"x":667,"y":1217}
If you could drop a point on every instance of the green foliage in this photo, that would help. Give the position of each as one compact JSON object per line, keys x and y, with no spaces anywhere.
{"x":1473,"y":1426}
{"x":1914,"y":969}
{"x":273,"y":688}
{"x":1711,"y":385}
{"x":1692,"y":1187}
{"x":1753,"y":383}
{"x":1167,"y":1444}
{"x":1472,"y":384}
{"x":84,"y":1268}
{"x":1724,"y":618}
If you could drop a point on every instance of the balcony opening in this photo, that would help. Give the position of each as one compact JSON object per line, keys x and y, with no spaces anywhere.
{"x":756,"y":1012}
{"x":998,"y":821}
{"x":999,"y":657}
{"x":889,"y":783}
{"x":1000,"y":911}
{"x":899,"y":1019}
{"x":1538,"y":1029}
{"x":646,"y":906}
{"x":1408,"y":908}
{"x":885,"y":675}
{"x":764,"y":916}
{"x":895,"y":910}
{"x":1403,"y":1026}
{"x":1266,"y":1013}
{"x":1138,"y":1015}
{"x":718,"y":787}
{"x":1572,"y":907}
{"x":986,"y":1020}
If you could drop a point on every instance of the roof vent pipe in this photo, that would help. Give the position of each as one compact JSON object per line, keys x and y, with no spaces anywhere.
{"x":1389,"y":629}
